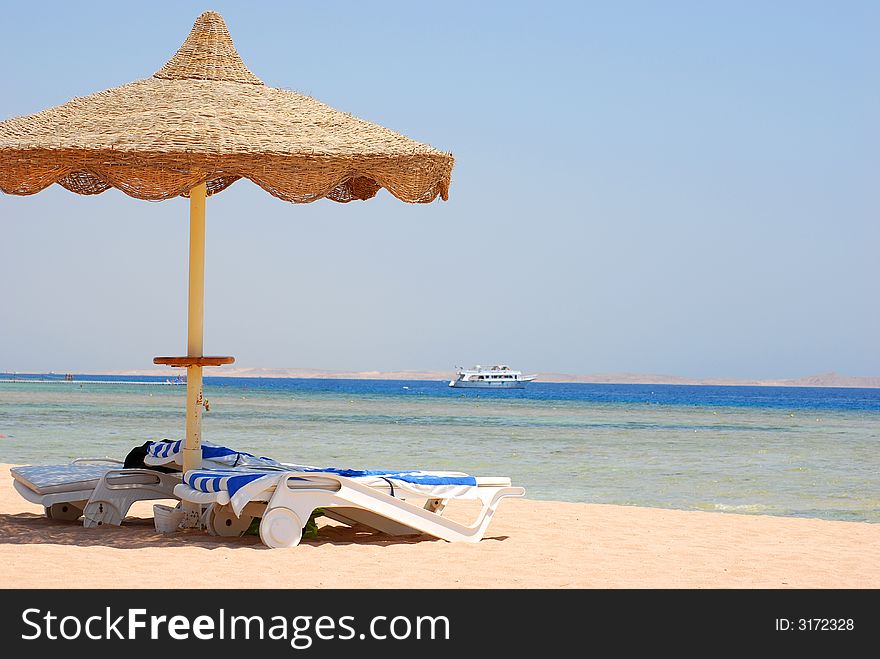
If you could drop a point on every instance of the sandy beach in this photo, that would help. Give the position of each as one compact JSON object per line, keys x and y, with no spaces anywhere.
{"x":530,"y":544}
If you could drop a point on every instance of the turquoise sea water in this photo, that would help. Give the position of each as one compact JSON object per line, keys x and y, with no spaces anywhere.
{"x":804,"y":452}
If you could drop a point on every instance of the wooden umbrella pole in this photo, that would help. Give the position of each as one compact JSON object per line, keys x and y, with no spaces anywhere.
{"x":192,"y":452}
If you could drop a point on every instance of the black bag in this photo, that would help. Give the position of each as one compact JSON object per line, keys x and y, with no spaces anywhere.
{"x":135,"y":459}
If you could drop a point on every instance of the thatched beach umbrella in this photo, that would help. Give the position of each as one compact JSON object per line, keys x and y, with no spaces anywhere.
{"x":202,"y":122}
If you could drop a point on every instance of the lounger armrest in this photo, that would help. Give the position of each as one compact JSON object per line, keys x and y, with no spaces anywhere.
{"x":130,"y":478}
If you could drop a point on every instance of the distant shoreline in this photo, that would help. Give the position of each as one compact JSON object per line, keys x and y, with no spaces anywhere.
{"x":820,"y":380}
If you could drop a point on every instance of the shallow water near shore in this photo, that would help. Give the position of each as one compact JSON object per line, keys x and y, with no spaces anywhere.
{"x":791,"y":451}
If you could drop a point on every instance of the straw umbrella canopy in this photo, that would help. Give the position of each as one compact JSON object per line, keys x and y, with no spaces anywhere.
{"x":199,"y":124}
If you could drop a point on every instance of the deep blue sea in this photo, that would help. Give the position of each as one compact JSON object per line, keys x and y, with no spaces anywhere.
{"x":795,"y":451}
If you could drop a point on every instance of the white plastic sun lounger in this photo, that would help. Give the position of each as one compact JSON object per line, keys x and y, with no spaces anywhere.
{"x":98,"y":490}
{"x":101,"y":491}
{"x":388,"y":501}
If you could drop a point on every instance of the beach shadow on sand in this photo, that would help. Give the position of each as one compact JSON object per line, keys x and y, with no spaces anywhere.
{"x":140,"y":533}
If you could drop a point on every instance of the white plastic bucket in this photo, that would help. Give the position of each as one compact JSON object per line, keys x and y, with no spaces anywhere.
{"x":166,"y":518}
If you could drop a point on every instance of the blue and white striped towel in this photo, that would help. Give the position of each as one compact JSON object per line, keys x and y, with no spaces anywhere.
{"x":171,"y":453}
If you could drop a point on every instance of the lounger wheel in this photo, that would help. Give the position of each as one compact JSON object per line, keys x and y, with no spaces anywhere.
{"x":281,"y":527}
{"x":224,"y":522}
{"x":64,"y":511}
{"x":101,"y":513}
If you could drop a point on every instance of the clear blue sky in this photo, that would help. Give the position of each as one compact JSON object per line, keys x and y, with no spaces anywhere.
{"x":687,"y":188}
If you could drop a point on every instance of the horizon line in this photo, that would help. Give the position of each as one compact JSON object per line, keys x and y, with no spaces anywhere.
{"x":828,"y":379}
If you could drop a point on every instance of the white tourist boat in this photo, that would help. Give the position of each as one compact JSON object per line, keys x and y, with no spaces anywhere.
{"x":496,"y":377}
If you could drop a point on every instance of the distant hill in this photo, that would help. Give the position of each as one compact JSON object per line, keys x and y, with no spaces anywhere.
{"x":820,"y":380}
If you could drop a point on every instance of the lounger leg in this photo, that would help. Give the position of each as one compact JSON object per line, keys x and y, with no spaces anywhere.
{"x":100,"y":513}
{"x":119,"y":489}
